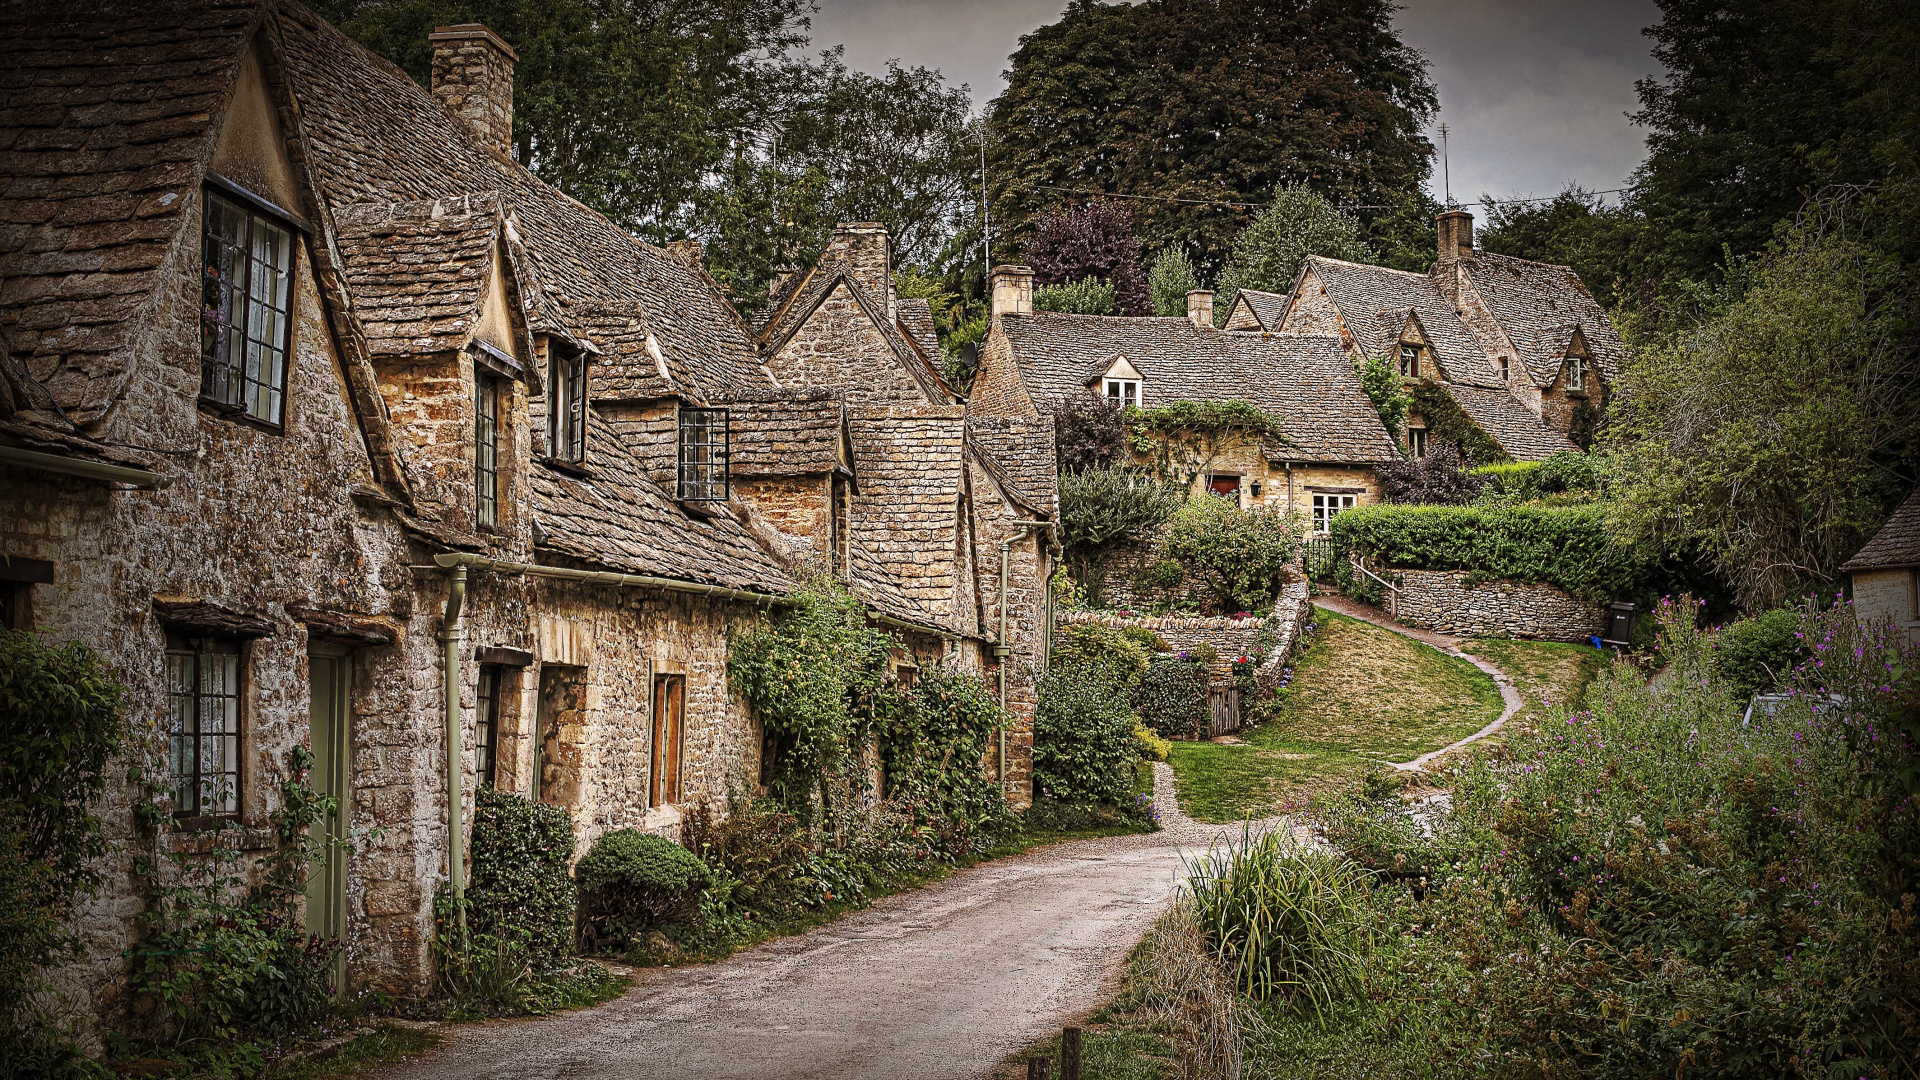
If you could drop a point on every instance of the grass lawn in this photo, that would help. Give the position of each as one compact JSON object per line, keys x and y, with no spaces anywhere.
{"x":1543,"y":671}
{"x":1360,"y":696}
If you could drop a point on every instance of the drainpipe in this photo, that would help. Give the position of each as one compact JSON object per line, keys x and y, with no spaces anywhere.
{"x":456,"y":815}
{"x":1001,"y":650}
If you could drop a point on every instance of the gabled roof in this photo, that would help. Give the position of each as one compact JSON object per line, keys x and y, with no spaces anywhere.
{"x":785,"y":432}
{"x":1537,"y":305}
{"x":1375,"y":303}
{"x":910,"y":462}
{"x":916,"y":320}
{"x":1019,"y":456}
{"x":1308,"y":382}
{"x":1896,"y":545}
{"x":799,"y":298}
{"x":1508,"y":423}
{"x":1267,"y":308}
{"x":418,"y":270}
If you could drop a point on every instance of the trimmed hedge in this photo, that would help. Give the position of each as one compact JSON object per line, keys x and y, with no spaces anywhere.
{"x":631,"y":882}
{"x":1563,"y":546}
{"x":520,"y":888}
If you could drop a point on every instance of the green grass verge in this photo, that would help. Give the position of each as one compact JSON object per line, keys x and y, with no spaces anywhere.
{"x":1361,"y":696}
{"x":1543,"y":672}
{"x":386,"y":1045}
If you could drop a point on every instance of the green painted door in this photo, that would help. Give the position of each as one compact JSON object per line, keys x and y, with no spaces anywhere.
{"x":330,"y":677}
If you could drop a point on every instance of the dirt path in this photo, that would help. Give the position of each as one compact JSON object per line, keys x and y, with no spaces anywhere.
{"x":945,"y":981}
{"x":1446,"y":643}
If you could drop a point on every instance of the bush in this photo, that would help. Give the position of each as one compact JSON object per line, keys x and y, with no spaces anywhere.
{"x":1755,"y":655}
{"x":1083,"y":745}
{"x":631,"y":882}
{"x":1107,"y":653}
{"x":1240,"y":556}
{"x":1435,"y":480}
{"x":1172,"y":698}
{"x":1106,"y":506}
{"x":1088,"y":432}
{"x":1089,"y":296}
{"x":1562,"y":546}
{"x":1524,"y":481}
{"x":1152,"y":747}
{"x":757,"y":846}
{"x":520,"y":890}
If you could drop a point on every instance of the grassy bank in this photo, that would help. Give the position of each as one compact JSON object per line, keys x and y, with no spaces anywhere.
{"x":1546,"y":673}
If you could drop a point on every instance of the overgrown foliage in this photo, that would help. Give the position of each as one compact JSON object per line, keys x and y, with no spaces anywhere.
{"x":1239,"y":555}
{"x":1438,"y":479}
{"x":1566,"y":547}
{"x":1182,"y":439}
{"x":1171,"y":698}
{"x":1083,"y":744}
{"x":1568,"y":472}
{"x":1107,"y":653}
{"x":1170,"y":280}
{"x":519,"y":888}
{"x":1447,"y":423}
{"x":933,"y":740}
{"x":1091,"y":244}
{"x":1088,"y":296}
{"x":1380,"y":379}
{"x":1104,"y":507}
{"x":631,"y":882}
{"x":1756,"y":654}
{"x":1268,"y":253}
{"x":1088,"y":432}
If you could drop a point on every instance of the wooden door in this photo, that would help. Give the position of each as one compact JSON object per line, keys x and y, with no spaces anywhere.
{"x":329,"y":676}
{"x":669,"y":737}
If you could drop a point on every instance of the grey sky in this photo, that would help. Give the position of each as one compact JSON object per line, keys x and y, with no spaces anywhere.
{"x":1534,"y":93}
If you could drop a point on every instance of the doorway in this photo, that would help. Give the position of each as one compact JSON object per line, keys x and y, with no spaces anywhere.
{"x":330,"y":684}
{"x":669,"y":737}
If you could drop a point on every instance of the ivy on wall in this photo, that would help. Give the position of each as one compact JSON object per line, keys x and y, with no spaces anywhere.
{"x":1446,"y":421}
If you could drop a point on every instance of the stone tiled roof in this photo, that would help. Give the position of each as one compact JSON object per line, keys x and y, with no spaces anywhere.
{"x":1507,"y":422}
{"x":1308,"y":382}
{"x":102,"y":125}
{"x":616,"y":519}
{"x":799,"y":299}
{"x":916,"y":318}
{"x":1538,"y":305}
{"x":417,"y":270}
{"x":1897,"y":544}
{"x":784,"y":432}
{"x":1268,"y":307}
{"x":878,"y":587}
{"x":909,"y":462}
{"x":1021,"y":451}
{"x":1375,"y":301}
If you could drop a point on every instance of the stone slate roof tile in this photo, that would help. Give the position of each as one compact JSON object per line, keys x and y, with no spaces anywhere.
{"x":1538,"y":304}
{"x":876,"y":586}
{"x":1507,"y":422}
{"x":1375,"y":301}
{"x":784,"y":432}
{"x":1268,"y":307}
{"x":916,"y":319}
{"x":417,"y":270}
{"x":1896,"y":545}
{"x":105,"y":111}
{"x":1308,"y":382}
{"x":1021,"y":451}
{"x":909,"y":462}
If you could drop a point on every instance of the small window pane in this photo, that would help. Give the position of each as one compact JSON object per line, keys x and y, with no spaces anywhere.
{"x":486,"y":450}
{"x":703,"y":455}
{"x":245,"y":306}
{"x":486,"y":711}
{"x":203,"y":691}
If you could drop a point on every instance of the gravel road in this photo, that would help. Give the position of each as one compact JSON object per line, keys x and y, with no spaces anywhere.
{"x":945,"y":981}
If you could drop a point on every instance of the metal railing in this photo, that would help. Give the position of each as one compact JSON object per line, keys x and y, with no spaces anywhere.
{"x":1321,"y":556}
{"x":1392,"y":590}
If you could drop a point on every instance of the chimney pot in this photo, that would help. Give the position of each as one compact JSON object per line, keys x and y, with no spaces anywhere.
{"x":1456,"y":235}
{"x":1012,"y":290}
{"x":473,"y":79}
{"x":867,"y":252}
{"x":1200,"y":308}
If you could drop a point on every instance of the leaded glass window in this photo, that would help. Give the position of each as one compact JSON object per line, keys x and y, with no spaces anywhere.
{"x":203,"y":700}
{"x":568,"y":424}
{"x":486,"y":723}
{"x":246,"y":291}
{"x":486,"y":450}
{"x":703,"y":455}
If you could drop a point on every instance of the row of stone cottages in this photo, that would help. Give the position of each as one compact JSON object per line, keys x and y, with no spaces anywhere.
{"x":330,"y":424}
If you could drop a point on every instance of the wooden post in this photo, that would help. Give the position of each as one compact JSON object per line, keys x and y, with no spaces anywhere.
{"x":1070,"y":1053}
{"x":1039,"y":1068}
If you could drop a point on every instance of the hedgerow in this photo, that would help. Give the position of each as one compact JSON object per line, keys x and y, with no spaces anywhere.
{"x":1565,"y":547}
{"x":519,"y":886}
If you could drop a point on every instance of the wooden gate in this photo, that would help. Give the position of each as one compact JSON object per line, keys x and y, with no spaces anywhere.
{"x":1223,"y":705}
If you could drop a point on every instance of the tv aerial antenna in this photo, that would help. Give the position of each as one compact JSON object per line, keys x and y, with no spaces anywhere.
{"x":1446,"y":168}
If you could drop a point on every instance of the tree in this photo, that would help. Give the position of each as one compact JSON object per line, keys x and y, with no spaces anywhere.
{"x":1085,"y":297}
{"x":1070,"y":245}
{"x":1088,"y":431}
{"x":1778,"y":432}
{"x":1574,"y":228}
{"x":1438,"y":479}
{"x":1214,"y":102}
{"x":1103,"y":507}
{"x":1171,"y":280}
{"x":1267,"y":255}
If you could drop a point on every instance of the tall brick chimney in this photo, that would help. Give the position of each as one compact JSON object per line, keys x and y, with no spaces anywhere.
{"x":1200,"y":308}
{"x":1012,"y":290}
{"x":1456,"y":235}
{"x":867,"y":251}
{"x":473,"y":78}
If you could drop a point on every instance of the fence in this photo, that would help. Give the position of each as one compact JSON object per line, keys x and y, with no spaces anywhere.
{"x":1322,"y":557}
{"x":1223,"y":708}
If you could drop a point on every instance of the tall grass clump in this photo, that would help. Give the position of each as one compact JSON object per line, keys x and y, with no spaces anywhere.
{"x":1291,"y":922}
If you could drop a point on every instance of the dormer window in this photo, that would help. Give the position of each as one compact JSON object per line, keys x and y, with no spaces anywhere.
{"x":567,"y":422}
{"x":1123,"y":393}
{"x":1506,"y":369}
{"x":246,"y":291}
{"x":1409,"y":361}
{"x":486,"y":449}
{"x":703,"y":455}
{"x":1576,"y":372}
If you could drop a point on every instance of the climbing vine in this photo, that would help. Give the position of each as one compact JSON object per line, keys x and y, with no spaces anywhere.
{"x":1183,"y":438}
{"x":1446,"y":421}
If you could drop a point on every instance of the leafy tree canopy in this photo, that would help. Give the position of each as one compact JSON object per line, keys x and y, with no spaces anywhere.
{"x":1085,"y":297}
{"x":1266,"y":256}
{"x":1070,"y":245}
{"x":1207,"y":100}
{"x":1172,"y":279}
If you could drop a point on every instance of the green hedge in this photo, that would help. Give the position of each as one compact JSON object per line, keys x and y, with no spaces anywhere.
{"x":1561,"y":546}
{"x":520,"y":889}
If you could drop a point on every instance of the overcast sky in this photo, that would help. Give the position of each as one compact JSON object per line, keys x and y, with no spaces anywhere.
{"x":1534,"y":92}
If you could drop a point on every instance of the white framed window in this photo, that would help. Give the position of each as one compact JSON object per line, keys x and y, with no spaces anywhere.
{"x":1409,"y":361}
{"x":1576,"y":372}
{"x":1326,"y":505}
{"x":1417,"y":442}
{"x":1123,"y":392}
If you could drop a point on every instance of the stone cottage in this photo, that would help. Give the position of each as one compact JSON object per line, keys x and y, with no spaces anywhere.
{"x":330,"y":425}
{"x":1886,"y":573}
{"x":1519,"y":346}
{"x":1331,"y":435}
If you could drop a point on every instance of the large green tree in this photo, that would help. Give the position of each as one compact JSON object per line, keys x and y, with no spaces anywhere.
{"x":1574,"y":228}
{"x":1205,"y":100}
{"x":1268,"y":253}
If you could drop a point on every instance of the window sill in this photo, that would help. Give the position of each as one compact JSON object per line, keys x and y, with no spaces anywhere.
{"x":571,"y":468}
{"x":204,"y":835}
{"x":234,"y":414}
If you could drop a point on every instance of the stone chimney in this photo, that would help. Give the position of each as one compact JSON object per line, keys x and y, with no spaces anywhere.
{"x":1012,"y":290}
{"x":473,"y":79}
{"x":1456,"y":235}
{"x":867,"y":252}
{"x":1200,"y":308}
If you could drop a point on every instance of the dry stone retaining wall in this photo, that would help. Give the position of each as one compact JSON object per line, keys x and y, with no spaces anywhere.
{"x":1443,"y":600}
{"x":1231,"y":637}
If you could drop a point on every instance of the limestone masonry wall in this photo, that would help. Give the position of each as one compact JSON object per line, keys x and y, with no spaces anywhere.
{"x":1443,"y":600}
{"x":1231,"y":637}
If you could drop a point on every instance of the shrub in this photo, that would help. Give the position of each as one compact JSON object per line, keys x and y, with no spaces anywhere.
{"x":948,"y":717}
{"x":1380,"y":379}
{"x":631,"y":882}
{"x":1105,"y":652}
{"x":1145,"y":638}
{"x":1437,"y":479}
{"x":1755,"y":655}
{"x":1523,"y":481}
{"x":1448,"y":424}
{"x":1152,"y":747}
{"x":1561,"y":546}
{"x":1088,"y":432}
{"x":1240,"y":556}
{"x":1172,"y":698}
{"x":1103,"y":507}
{"x":756,"y":845}
{"x":1083,"y":745}
{"x":1170,"y":280}
{"x":1089,"y":296}
{"x":520,"y":889}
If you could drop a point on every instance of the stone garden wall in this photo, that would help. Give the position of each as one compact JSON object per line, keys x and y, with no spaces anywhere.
{"x":1443,"y":600}
{"x":1230,"y":637}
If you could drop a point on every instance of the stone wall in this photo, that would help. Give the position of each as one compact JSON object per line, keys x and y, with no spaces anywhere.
{"x":1230,"y":637}
{"x":1443,"y":600}
{"x":839,"y":346}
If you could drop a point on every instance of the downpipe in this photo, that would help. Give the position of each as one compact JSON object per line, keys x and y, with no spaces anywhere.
{"x":454,"y":633}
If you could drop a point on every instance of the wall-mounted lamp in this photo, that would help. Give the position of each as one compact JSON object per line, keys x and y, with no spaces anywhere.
{"x":1256,"y":489}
